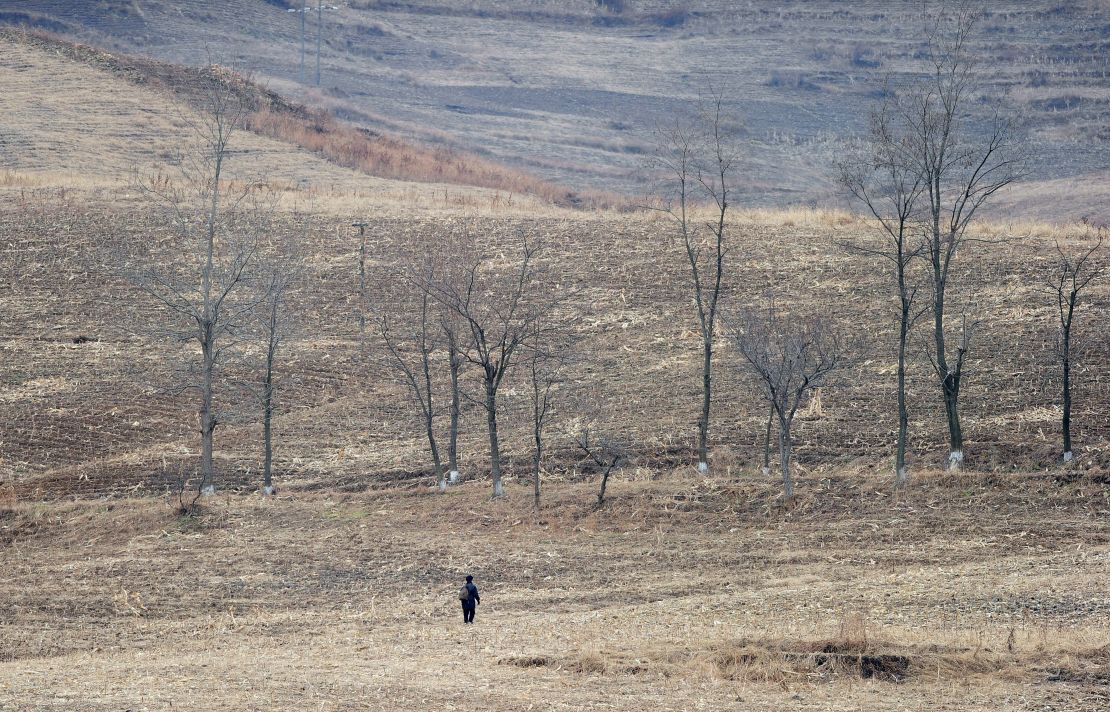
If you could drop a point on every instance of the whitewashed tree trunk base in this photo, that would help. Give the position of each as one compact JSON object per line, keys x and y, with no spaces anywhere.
{"x":1068,"y":456}
{"x":703,"y":467}
{"x":498,"y":490}
{"x":955,"y":460}
{"x":443,"y":485}
{"x":268,"y":490}
{"x":766,"y":471}
{"x":454,"y":476}
{"x":208,"y":490}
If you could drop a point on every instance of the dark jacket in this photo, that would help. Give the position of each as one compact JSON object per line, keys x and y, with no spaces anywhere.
{"x":474,"y":598}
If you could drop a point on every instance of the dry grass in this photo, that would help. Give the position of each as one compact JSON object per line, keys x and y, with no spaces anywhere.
{"x":984,"y":590}
{"x":350,"y":427}
{"x":573,"y":90}
{"x":389,"y":157}
{"x":346,"y":601}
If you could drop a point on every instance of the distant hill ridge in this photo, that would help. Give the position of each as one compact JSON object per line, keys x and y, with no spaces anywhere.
{"x":317,"y":130}
{"x":570,"y":91}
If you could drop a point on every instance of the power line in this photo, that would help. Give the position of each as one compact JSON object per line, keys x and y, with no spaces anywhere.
{"x":304,"y":10}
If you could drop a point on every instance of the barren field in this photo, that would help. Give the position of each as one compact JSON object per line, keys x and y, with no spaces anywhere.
{"x":982,"y":590}
{"x":985,"y":591}
{"x":683,"y":593}
{"x":90,"y":409}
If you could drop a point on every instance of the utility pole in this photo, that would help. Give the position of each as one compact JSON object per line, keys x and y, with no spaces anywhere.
{"x":361,"y":225}
{"x":319,"y":33}
{"x":304,"y":10}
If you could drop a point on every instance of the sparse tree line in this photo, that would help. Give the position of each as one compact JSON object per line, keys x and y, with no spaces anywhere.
{"x":229,"y":289}
{"x":450,"y":313}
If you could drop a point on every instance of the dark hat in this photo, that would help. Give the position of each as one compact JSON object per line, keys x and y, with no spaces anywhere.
{"x":469,"y":578}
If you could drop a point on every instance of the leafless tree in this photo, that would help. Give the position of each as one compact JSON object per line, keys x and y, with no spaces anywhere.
{"x":962,"y":164}
{"x":415,"y":369}
{"x":1073,"y":273}
{"x":206,"y":292}
{"x":767,"y":440}
{"x":450,"y":328}
{"x":279,"y":276}
{"x":889,"y":184}
{"x":411,"y":343}
{"x":544,"y":374}
{"x":453,"y":256}
{"x":790,"y":356}
{"x":698,"y":161}
{"x":604,"y":453}
{"x":499,"y":314}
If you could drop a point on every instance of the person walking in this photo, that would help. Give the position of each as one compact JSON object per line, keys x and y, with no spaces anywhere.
{"x":468,"y":596}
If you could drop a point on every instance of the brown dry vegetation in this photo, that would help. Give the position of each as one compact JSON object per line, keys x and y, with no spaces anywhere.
{"x":972,"y":592}
{"x":570,"y":90}
{"x":682,"y":593}
{"x":103,"y":422}
{"x":979,"y":591}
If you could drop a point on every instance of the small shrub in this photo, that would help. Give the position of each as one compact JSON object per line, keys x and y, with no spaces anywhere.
{"x":1037,"y":79}
{"x":671,"y":18}
{"x":791,"y":80}
{"x":865,"y":58}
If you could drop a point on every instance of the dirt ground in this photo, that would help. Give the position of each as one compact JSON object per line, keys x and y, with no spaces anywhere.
{"x":682,"y":593}
{"x":981,"y":591}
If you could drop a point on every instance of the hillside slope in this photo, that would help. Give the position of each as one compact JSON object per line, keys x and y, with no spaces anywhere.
{"x":90,"y":407}
{"x":94,"y":127}
{"x":108,"y":115}
{"x":572,"y":90}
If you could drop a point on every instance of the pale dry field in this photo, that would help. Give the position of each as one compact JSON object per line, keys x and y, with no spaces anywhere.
{"x":683,"y":593}
{"x":985,"y":591}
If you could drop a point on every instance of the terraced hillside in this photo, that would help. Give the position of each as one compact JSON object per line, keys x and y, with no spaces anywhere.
{"x":572,"y":90}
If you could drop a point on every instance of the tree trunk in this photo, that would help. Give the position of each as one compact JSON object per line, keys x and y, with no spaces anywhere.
{"x":267,"y":442}
{"x":208,"y":336}
{"x":494,"y":450}
{"x":767,"y":443}
{"x":951,"y":386}
{"x":537,"y":458}
{"x":361,"y":274}
{"x":453,"y":435}
{"x":703,"y":422}
{"x":207,"y":421}
{"x":949,"y":380}
{"x":900,"y":478}
{"x":785,"y":454}
{"x":1066,"y":424}
{"x":605,"y":483}
{"x":429,"y":424}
